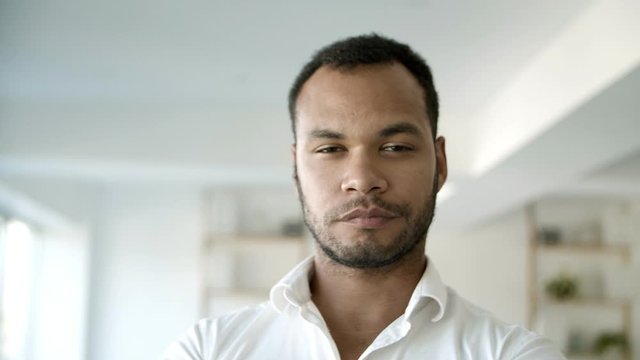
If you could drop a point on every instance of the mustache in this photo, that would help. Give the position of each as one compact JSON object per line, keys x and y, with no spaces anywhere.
{"x":365,"y":202}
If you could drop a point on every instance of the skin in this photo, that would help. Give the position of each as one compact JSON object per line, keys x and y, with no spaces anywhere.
{"x":363,"y":140}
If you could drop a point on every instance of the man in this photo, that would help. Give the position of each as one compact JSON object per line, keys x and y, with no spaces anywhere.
{"x":368,"y":166}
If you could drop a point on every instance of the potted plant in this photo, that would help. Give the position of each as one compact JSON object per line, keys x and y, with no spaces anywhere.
{"x":611,"y":345}
{"x":562,"y":287}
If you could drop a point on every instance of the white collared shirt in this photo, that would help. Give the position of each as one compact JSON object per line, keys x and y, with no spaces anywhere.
{"x":437,"y":324}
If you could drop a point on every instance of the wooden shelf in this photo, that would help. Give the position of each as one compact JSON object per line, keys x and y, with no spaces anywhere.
{"x":601,"y":302}
{"x":256,"y":237}
{"x":230,"y":242}
{"x":583,"y":356}
{"x":621,"y":250}
{"x":240,"y":261}
{"x":238,"y":292}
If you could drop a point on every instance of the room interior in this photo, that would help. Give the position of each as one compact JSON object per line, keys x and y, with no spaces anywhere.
{"x":146,"y":180}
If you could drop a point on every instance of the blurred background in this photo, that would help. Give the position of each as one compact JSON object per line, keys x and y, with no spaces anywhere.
{"x":145,"y":175}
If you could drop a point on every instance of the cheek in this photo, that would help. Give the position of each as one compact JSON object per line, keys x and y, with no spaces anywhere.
{"x":415,"y":183}
{"x":318,"y":182}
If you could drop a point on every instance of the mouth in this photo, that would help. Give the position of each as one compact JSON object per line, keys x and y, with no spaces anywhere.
{"x":369,"y":218}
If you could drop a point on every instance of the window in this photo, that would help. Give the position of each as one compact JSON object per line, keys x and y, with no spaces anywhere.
{"x":16,"y":286}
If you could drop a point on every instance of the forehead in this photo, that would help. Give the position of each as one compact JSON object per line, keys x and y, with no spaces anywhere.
{"x":369,"y":96}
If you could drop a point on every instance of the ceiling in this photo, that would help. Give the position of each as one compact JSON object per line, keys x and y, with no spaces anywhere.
{"x":536,"y":96}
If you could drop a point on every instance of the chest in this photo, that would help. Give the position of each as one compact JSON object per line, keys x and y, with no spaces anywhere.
{"x":308,"y":341}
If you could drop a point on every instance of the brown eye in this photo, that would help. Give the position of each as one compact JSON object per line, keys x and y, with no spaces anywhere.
{"x":396,"y":148}
{"x":328,"y":149}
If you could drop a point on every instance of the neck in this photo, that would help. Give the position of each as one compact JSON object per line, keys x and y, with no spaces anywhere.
{"x":357,"y":304}
{"x":340,"y":283}
{"x":366,"y":295}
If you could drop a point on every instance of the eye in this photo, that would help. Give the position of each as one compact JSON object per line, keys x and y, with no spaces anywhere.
{"x":329,"y":149}
{"x":396,"y":148}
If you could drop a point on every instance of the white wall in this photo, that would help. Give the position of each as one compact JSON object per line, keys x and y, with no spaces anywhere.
{"x":144,"y":270}
{"x":486,"y":265}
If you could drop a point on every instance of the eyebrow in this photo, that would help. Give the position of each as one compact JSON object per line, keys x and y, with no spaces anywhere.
{"x":325,"y":134}
{"x":400,"y":128}
{"x":391,"y":130}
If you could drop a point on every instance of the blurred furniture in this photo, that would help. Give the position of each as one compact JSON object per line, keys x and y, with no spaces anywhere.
{"x":253,"y":237}
{"x":580,"y":278}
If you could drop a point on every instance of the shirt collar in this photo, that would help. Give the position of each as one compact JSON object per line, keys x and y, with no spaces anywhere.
{"x":292,"y":291}
{"x":430,"y":286}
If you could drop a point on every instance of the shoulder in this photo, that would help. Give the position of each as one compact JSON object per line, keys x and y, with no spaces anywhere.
{"x":503,"y":340}
{"x":202,"y":340}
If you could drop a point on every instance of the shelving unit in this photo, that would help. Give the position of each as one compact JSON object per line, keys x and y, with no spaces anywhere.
{"x":241,"y":270}
{"x":246,"y":248}
{"x":591,"y":311}
{"x":621,"y":251}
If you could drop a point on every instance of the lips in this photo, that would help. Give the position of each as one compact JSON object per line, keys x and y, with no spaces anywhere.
{"x":367,"y":213}
{"x":370,"y":218}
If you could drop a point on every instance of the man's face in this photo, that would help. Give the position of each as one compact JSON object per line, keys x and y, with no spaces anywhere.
{"x":367,"y":168}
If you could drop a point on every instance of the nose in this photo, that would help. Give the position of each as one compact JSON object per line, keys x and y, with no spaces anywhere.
{"x":364,"y":176}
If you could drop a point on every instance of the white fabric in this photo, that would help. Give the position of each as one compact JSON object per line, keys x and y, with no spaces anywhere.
{"x":437,"y":324}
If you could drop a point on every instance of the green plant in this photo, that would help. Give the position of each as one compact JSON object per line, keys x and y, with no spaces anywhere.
{"x":563,"y":287}
{"x":610,"y":340}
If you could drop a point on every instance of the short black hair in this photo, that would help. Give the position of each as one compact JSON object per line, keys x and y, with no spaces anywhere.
{"x":347,"y":54}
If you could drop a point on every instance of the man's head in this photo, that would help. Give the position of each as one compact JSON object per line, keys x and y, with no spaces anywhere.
{"x":362,"y":50}
{"x":367,"y":161}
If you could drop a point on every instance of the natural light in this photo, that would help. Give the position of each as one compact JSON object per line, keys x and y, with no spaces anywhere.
{"x":16,"y":288}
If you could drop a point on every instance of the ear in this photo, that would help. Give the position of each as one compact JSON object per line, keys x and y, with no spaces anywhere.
{"x":441,"y":161}
{"x":293,"y":163}
{"x":293,"y":153}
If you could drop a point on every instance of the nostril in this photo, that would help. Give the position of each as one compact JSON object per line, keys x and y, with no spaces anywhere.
{"x":364,"y":189}
{"x":364,"y":179}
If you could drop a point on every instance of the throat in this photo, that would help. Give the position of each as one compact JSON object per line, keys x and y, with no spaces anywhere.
{"x":355,"y":325}
{"x":358,"y":305}
{"x":351,"y":345}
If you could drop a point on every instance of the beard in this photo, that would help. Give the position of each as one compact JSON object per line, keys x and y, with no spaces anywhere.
{"x":369,"y":254}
